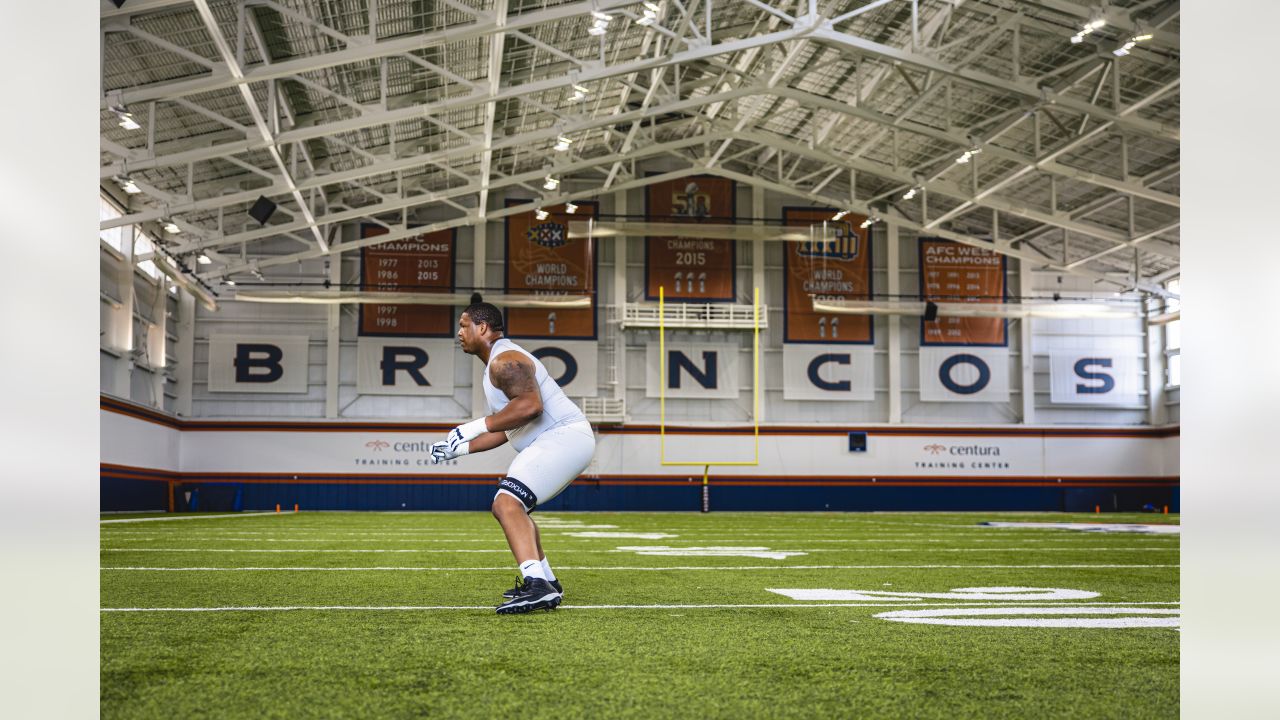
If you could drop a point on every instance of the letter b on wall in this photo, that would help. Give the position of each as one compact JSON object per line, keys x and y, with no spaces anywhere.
{"x":258,"y":364}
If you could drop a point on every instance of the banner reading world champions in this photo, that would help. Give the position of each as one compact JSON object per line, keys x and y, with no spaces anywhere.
{"x":541,"y":259}
{"x":839,"y":270}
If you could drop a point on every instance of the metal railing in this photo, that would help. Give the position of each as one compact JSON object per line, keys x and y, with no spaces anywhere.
{"x":714,"y":316}
{"x":603,"y":410}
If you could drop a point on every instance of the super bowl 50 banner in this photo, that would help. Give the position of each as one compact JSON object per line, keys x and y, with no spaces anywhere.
{"x":839,"y":269}
{"x":419,"y":264}
{"x":258,"y":363}
{"x":690,"y":268}
{"x":952,"y":272}
{"x":542,"y":260}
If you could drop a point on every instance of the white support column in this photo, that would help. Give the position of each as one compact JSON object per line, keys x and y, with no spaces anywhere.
{"x":1026,"y":356}
{"x":121,"y":335}
{"x":1157,"y":413}
{"x":895,"y":324}
{"x":757,"y":277}
{"x":480,"y":240}
{"x":157,"y":341}
{"x":185,"y":352}
{"x":620,"y":208}
{"x":333,"y":343}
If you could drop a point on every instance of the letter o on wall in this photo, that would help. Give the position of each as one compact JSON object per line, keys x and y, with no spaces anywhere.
{"x":984,"y":374}
{"x":570,"y":364}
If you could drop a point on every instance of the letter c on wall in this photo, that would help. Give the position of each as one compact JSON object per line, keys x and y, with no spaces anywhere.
{"x":818,"y":382}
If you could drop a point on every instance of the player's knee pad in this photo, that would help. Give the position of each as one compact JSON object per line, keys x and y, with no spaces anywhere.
{"x":519,"y":491}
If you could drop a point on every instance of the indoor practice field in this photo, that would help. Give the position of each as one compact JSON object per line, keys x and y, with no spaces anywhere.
{"x":665,"y":614}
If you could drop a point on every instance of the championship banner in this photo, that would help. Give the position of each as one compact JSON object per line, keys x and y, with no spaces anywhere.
{"x":1093,"y":377}
{"x":424,"y":263}
{"x":953,"y":272}
{"x":816,"y":372}
{"x":542,"y":260}
{"x":694,"y":370}
{"x":404,"y":367}
{"x":837,"y":270}
{"x":571,"y":364}
{"x":258,"y":363}
{"x":969,"y":374}
{"x":691,"y":268}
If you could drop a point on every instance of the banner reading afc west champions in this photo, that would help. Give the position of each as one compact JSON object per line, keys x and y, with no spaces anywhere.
{"x":963,"y":359}
{"x":690,"y":268}
{"x":953,"y":272}
{"x":423,"y":263}
{"x":837,"y":270}
{"x":541,"y":259}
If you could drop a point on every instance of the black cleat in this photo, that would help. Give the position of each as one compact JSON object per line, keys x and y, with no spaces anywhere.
{"x":535,"y":594}
{"x":519,"y":588}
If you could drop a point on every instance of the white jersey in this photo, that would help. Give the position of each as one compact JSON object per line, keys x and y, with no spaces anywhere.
{"x":557,"y":409}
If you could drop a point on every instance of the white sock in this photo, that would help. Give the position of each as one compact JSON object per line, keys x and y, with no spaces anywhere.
{"x":546,"y":568}
{"x":533,"y":569}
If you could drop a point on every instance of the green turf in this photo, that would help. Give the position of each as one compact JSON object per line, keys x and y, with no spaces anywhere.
{"x":695,"y":661}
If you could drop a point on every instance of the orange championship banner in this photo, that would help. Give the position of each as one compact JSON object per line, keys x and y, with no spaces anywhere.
{"x":424,"y":263}
{"x":952,"y":272}
{"x":541,"y":259}
{"x":691,"y":268}
{"x":833,"y":270}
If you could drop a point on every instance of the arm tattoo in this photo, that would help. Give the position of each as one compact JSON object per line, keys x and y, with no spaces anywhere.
{"x":514,"y":378}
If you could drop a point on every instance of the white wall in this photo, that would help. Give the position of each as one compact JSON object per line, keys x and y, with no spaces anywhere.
{"x":138,"y":443}
{"x":311,"y":320}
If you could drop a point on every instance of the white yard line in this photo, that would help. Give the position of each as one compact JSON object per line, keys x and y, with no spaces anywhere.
{"x":719,"y":606}
{"x":186,"y":517}
{"x":504,"y":550}
{"x":506,"y":568}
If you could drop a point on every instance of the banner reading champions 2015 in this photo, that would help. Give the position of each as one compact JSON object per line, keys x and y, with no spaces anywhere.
{"x":963,"y":359}
{"x":690,"y":268}
{"x":541,"y":259}
{"x":827,"y":356}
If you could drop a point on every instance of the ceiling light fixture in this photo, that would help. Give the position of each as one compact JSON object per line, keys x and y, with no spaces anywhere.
{"x":839,"y":215}
{"x":551,"y":183}
{"x":125,"y":118}
{"x":540,"y":214}
{"x":601,"y":23}
{"x":651,"y":11}
{"x":570,"y":208}
{"x":909,"y":194}
{"x":232,"y":283}
{"x":204,"y":259}
{"x":579,"y":92}
{"x":563,"y":143}
{"x":869,"y":222}
{"x":172,"y":228}
{"x":968,"y":155}
{"x":1093,"y":25}
{"x":127,"y":184}
{"x":1130,"y":43}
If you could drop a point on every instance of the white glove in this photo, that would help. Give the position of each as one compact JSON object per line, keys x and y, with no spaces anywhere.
{"x":440,"y":452}
{"x":459,"y":439}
